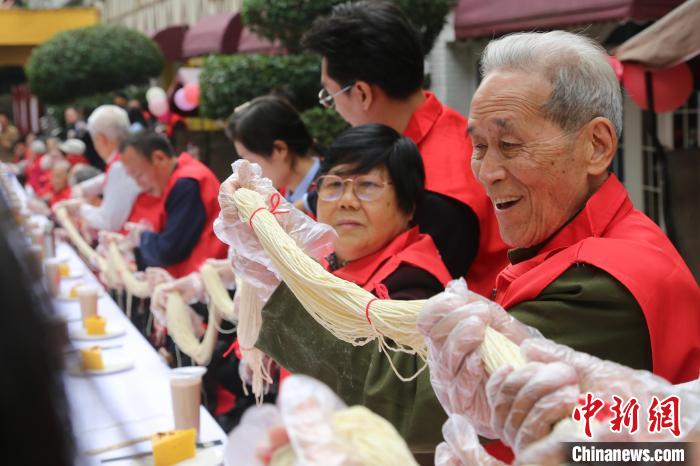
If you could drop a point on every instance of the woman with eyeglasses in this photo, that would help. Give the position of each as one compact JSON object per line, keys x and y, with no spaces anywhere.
{"x":269,"y":131}
{"x":372,"y":183}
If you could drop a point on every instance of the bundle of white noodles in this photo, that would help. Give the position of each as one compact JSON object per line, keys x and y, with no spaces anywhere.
{"x":218,"y":295}
{"x":78,"y":241}
{"x":134,"y":286}
{"x":338,"y":305}
{"x":348,"y":311}
{"x":180,"y":328}
{"x":249,"y":322}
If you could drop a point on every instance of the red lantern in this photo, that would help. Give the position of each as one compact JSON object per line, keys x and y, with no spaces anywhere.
{"x":671,"y":86}
{"x":617,"y":67}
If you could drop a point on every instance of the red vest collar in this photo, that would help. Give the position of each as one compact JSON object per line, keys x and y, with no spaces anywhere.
{"x":360,"y":271}
{"x":182,"y":160}
{"x":424,"y":118}
{"x":608,"y":203}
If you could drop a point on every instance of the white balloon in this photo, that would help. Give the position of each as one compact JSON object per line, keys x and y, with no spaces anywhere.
{"x":158,"y":107}
{"x":155,"y":93}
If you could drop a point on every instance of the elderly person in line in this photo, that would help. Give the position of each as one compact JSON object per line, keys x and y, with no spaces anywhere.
{"x":108,"y":126}
{"x":372,"y":184}
{"x":586,"y":268}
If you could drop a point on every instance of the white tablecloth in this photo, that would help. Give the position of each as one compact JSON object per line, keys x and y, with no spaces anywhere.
{"x":109,"y":409}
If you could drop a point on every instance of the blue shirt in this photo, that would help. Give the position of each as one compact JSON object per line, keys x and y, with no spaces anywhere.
{"x":185,"y":221}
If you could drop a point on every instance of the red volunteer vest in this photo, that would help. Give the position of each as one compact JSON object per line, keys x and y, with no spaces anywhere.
{"x":410,"y":247}
{"x":613,"y":236}
{"x":75,"y":159}
{"x":441,"y":136}
{"x":149,"y":208}
{"x":208,"y":245}
{"x":60,"y":195}
{"x":146,"y":206}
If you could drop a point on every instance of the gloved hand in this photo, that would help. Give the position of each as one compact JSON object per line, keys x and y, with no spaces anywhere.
{"x":453,"y":323}
{"x":190,"y":288}
{"x":528,"y":401}
{"x":250,"y":262}
{"x":156,"y":275}
{"x":135,"y":230}
{"x":461,"y":446}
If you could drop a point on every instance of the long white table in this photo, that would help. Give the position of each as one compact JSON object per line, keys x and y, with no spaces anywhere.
{"x":109,"y":409}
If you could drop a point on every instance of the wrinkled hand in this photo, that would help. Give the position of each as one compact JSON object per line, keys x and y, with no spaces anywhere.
{"x":461,"y":446}
{"x":190,"y":288}
{"x":528,"y":401}
{"x":453,"y":323}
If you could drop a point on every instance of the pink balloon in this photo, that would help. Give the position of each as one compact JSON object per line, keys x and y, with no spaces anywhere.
{"x":158,"y":107}
{"x":181,"y":101}
{"x":192,"y":93}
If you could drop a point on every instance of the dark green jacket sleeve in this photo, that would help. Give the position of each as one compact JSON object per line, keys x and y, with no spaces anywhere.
{"x":590,"y":311}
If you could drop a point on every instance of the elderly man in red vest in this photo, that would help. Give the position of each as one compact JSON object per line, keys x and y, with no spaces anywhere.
{"x":586,"y":269}
{"x":183,"y":237}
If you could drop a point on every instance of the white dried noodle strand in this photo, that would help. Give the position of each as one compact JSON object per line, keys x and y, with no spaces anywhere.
{"x":182,"y":332}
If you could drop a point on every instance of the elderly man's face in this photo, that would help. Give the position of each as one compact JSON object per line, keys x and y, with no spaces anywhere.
{"x":533,"y":171}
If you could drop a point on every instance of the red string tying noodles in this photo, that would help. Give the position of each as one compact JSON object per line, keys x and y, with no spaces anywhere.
{"x":382,"y":293}
{"x":275,"y":201}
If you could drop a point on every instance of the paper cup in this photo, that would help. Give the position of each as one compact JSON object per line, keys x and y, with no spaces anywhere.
{"x":87,"y":295}
{"x":53,"y":276}
{"x":186,"y":389}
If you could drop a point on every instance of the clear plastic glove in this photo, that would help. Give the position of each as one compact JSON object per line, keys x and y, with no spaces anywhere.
{"x":303,"y":418}
{"x":528,"y":401}
{"x":156,"y":275}
{"x":453,"y":323}
{"x":190,"y":288}
{"x":105,"y":238}
{"x":135,"y":230}
{"x":307,"y":407}
{"x":250,"y":262}
{"x":250,"y":440}
{"x":225,"y":270}
{"x":461,"y":446}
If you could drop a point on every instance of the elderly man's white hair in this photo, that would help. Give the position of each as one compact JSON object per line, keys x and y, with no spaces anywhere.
{"x":584,"y":85}
{"x":110,"y":121}
{"x":61,"y":165}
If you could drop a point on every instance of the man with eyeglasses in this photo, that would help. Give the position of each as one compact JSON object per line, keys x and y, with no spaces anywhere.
{"x":372,"y":72}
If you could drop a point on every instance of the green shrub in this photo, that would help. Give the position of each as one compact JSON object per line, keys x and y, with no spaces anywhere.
{"x":228,"y":81}
{"x":92,"y":60}
{"x":324,"y":124}
{"x":288,"y":20}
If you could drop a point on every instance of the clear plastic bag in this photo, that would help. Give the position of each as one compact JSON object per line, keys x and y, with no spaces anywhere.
{"x":250,"y":262}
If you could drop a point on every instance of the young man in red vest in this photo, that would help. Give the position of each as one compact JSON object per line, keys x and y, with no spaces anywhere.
{"x":189,"y":205}
{"x":587,"y":269}
{"x":372,"y":72}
